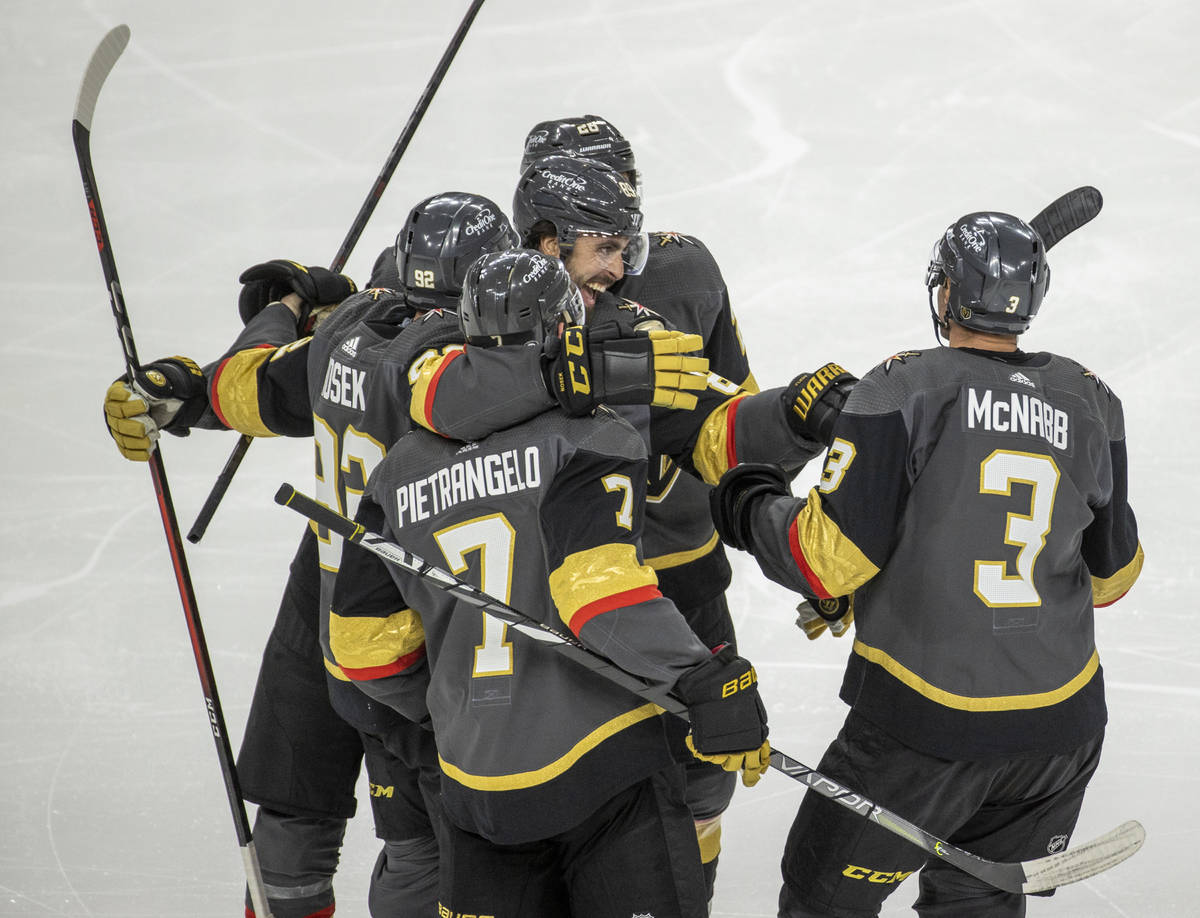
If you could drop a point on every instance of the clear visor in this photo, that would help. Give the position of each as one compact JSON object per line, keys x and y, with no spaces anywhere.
{"x":636,"y":253}
{"x":633,"y":255}
{"x":634,"y":177}
{"x":935,"y":272}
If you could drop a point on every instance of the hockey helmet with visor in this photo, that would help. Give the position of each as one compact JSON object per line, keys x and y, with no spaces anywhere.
{"x":516,"y":297}
{"x":581,"y":197}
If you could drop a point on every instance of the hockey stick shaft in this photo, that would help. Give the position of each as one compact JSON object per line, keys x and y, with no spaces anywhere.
{"x":1027,"y":877}
{"x":101,"y":64}
{"x":221,"y":485}
{"x":406,"y":136}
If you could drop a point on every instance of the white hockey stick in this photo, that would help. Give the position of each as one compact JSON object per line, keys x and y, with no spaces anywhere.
{"x":1038,"y":875}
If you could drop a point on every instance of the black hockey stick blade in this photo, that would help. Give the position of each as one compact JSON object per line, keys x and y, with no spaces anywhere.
{"x":1065,"y":215}
{"x":1038,"y":875}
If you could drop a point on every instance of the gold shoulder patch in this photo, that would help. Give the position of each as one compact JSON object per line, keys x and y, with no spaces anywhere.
{"x":899,"y":357}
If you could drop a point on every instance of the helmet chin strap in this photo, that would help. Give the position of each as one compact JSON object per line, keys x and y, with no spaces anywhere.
{"x":941,"y":326}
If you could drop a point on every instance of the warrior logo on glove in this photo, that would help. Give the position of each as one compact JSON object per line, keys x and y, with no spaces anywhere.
{"x":815,"y":386}
{"x":815,"y":400}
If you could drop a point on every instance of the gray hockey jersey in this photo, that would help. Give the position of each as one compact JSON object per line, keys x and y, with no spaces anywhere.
{"x":975,"y":505}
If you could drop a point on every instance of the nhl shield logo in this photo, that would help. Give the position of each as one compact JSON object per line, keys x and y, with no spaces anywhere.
{"x":1057,"y":843}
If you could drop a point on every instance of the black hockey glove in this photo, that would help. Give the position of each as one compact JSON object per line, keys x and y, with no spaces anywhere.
{"x":169,"y":394}
{"x":813,"y":401}
{"x":833,"y":615}
{"x":267,"y":282}
{"x":593,"y":365}
{"x":729,"y":722}
{"x":733,"y":499}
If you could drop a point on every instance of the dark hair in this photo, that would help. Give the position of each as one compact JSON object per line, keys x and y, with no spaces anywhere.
{"x":538,"y":232}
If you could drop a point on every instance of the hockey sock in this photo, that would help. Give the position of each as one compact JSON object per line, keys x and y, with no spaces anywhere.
{"x":708,"y":834}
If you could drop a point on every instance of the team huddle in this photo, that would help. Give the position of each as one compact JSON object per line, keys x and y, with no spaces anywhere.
{"x":558,"y":409}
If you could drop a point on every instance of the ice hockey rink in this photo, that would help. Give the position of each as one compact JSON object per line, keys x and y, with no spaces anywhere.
{"x":819,"y":148}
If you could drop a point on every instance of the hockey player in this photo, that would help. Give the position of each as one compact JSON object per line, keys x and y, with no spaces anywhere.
{"x":300,"y":760}
{"x":559,"y":787}
{"x":974,"y":503}
{"x":588,"y":213}
{"x":679,"y":276}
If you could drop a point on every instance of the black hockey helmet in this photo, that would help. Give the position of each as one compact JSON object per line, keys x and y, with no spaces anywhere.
{"x":517,"y":296}
{"x":580,"y":197}
{"x":442,"y":236}
{"x":998,"y":273}
{"x":588,"y":136}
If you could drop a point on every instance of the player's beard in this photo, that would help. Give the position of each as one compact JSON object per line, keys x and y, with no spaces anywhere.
{"x":593,"y":286}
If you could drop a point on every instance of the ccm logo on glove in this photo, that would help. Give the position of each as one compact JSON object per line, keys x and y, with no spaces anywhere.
{"x":573,"y":344}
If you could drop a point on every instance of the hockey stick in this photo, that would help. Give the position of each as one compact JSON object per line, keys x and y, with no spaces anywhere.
{"x":104,"y":58}
{"x":221,"y":485}
{"x":1037,"y":875}
{"x":1067,"y":214}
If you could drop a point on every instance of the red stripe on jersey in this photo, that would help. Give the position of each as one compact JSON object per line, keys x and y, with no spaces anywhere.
{"x":585,"y":614}
{"x":432,"y":390}
{"x":397,"y":666}
{"x":214,"y":392}
{"x":731,"y":458}
{"x":801,"y":562}
{"x":1102,"y":605}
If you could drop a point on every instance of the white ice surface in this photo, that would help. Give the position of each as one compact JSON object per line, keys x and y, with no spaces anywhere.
{"x":819,"y":148}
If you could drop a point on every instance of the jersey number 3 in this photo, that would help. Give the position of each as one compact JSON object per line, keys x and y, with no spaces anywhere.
{"x":1027,"y":531}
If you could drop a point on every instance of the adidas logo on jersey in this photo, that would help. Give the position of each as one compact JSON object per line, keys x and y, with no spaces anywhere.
{"x":350,"y":346}
{"x":1019,"y":377}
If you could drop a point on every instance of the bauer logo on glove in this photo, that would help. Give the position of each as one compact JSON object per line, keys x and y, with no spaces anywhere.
{"x":741,"y":683}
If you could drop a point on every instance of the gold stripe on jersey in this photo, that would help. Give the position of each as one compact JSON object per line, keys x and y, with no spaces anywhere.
{"x":714,"y":451}
{"x":424,"y":386}
{"x":831,"y":563}
{"x":560,"y":765}
{"x":1107,"y":590}
{"x":750,"y":384}
{"x":334,"y":670}
{"x":679,"y":558}
{"x":361,"y":645}
{"x":235,"y":392}
{"x":973,"y":704}
{"x":591,"y":577}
